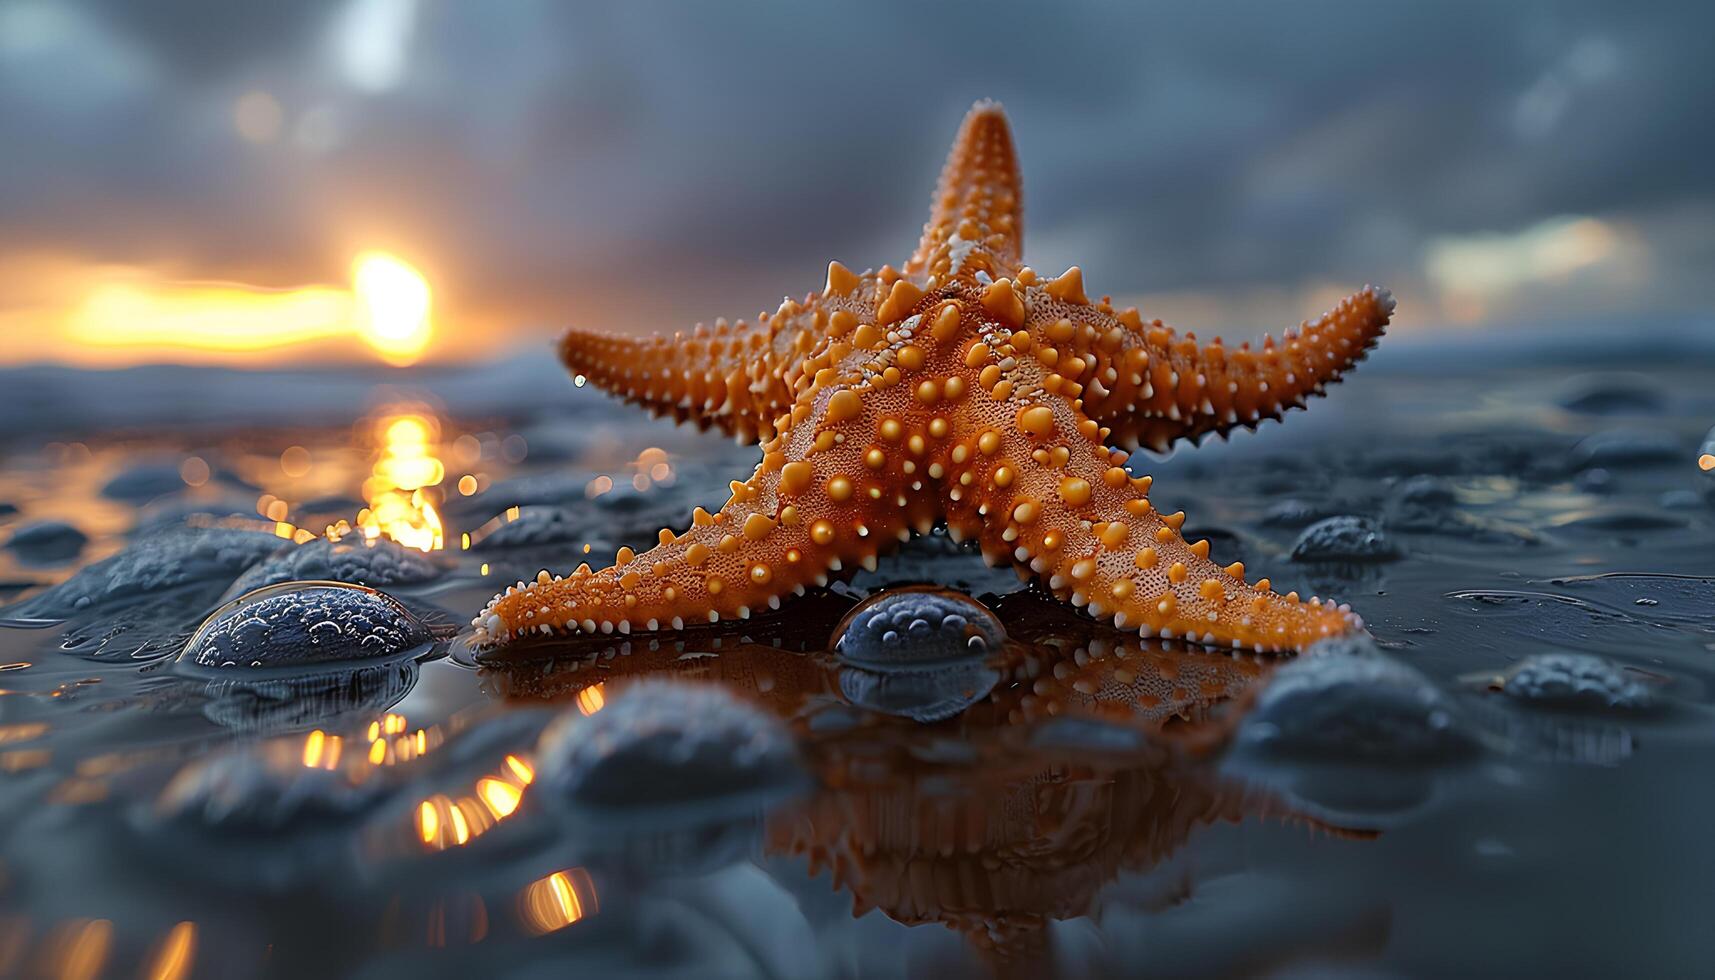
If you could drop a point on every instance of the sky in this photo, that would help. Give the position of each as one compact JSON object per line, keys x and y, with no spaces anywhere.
{"x":639,"y":166}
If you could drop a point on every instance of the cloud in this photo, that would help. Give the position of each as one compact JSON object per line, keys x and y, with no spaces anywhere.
{"x":627,"y":163}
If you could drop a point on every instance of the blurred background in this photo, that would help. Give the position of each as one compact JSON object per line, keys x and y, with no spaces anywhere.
{"x":371,"y":182}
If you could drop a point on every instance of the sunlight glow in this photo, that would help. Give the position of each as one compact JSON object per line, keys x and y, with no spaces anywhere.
{"x":393,"y":306}
{"x":387,"y":308}
{"x":557,"y":901}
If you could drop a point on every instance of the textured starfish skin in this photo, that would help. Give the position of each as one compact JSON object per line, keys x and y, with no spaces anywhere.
{"x":963,"y":389}
{"x":1148,"y":383}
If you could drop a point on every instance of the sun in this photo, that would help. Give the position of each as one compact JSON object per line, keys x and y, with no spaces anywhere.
{"x":393,"y":302}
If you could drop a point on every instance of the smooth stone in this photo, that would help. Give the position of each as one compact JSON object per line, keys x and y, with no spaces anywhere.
{"x":920,"y":653}
{"x":1610,"y":394}
{"x":917,"y":628}
{"x":1344,"y":539}
{"x":1575,"y":680}
{"x":1594,"y":480}
{"x":151,"y":564}
{"x":305,"y":623}
{"x":264,"y":788}
{"x":149,"y":479}
{"x":536,"y":525}
{"x":1628,"y":449}
{"x":1345,"y":706}
{"x":47,"y":542}
{"x":659,"y":742}
{"x":1683,"y":499}
{"x":377,"y":563}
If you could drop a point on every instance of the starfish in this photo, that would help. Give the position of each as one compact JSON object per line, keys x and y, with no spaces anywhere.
{"x":967,"y":389}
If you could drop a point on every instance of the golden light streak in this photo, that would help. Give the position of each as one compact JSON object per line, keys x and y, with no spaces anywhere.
{"x":428,"y":821}
{"x":501,"y":797}
{"x":406,"y":468}
{"x":87,"y":951}
{"x":387,"y":307}
{"x":520,"y":769}
{"x":443,"y":822}
{"x":314,"y":743}
{"x":178,"y":953}
{"x":591,"y":699}
{"x":557,"y":901}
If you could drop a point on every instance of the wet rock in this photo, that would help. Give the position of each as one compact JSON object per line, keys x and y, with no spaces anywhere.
{"x":1610,"y":394}
{"x":1344,"y":539}
{"x":666,"y":743}
{"x":1628,"y":449}
{"x":1341,"y":706}
{"x":536,"y":526}
{"x":1683,"y":499}
{"x":921,"y":653}
{"x":152,"y":478}
{"x":47,"y":542}
{"x":300,"y":624}
{"x":259,"y":789}
{"x":1594,"y":480}
{"x":1577,"y":681}
{"x":378,"y":563}
{"x":7,"y":508}
{"x":255,"y":819}
{"x":145,"y":481}
{"x":150,"y":565}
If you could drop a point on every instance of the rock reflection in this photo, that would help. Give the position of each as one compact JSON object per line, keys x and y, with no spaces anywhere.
{"x":990,"y":823}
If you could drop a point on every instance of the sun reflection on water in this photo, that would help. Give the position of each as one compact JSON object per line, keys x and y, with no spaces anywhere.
{"x":443,"y":821}
{"x":402,"y":484}
{"x":557,"y":900}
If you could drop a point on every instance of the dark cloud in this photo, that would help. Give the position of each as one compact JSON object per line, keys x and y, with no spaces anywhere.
{"x":720,"y":151}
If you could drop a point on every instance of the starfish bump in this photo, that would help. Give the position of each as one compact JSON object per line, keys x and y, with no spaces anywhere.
{"x":964,"y":389}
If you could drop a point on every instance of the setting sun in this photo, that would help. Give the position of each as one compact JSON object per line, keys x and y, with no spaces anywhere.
{"x":133,"y":314}
{"x":392,"y":306}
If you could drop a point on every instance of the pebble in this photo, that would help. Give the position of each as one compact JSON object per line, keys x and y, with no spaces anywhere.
{"x":1575,"y":680}
{"x":47,"y":542}
{"x":659,"y":742}
{"x":921,"y":653}
{"x":1346,"y":706}
{"x":1627,"y":449}
{"x":300,"y":624}
{"x":1344,"y":539}
{"x":151,"y":564}
{"x":378,"y":563}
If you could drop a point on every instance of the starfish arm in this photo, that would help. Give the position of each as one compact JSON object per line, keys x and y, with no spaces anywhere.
{"x":729,"y":376}
{"x":824,"y":496}
{"x":1052,"y":499}
{"x":976,"y":220}
{"x":1164,"y":386}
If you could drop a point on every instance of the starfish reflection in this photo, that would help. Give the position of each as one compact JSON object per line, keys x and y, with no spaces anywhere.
{"x":1087,"y":761}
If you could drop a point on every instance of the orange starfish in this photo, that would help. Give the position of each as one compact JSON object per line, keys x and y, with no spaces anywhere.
{"x":967,"y":389}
